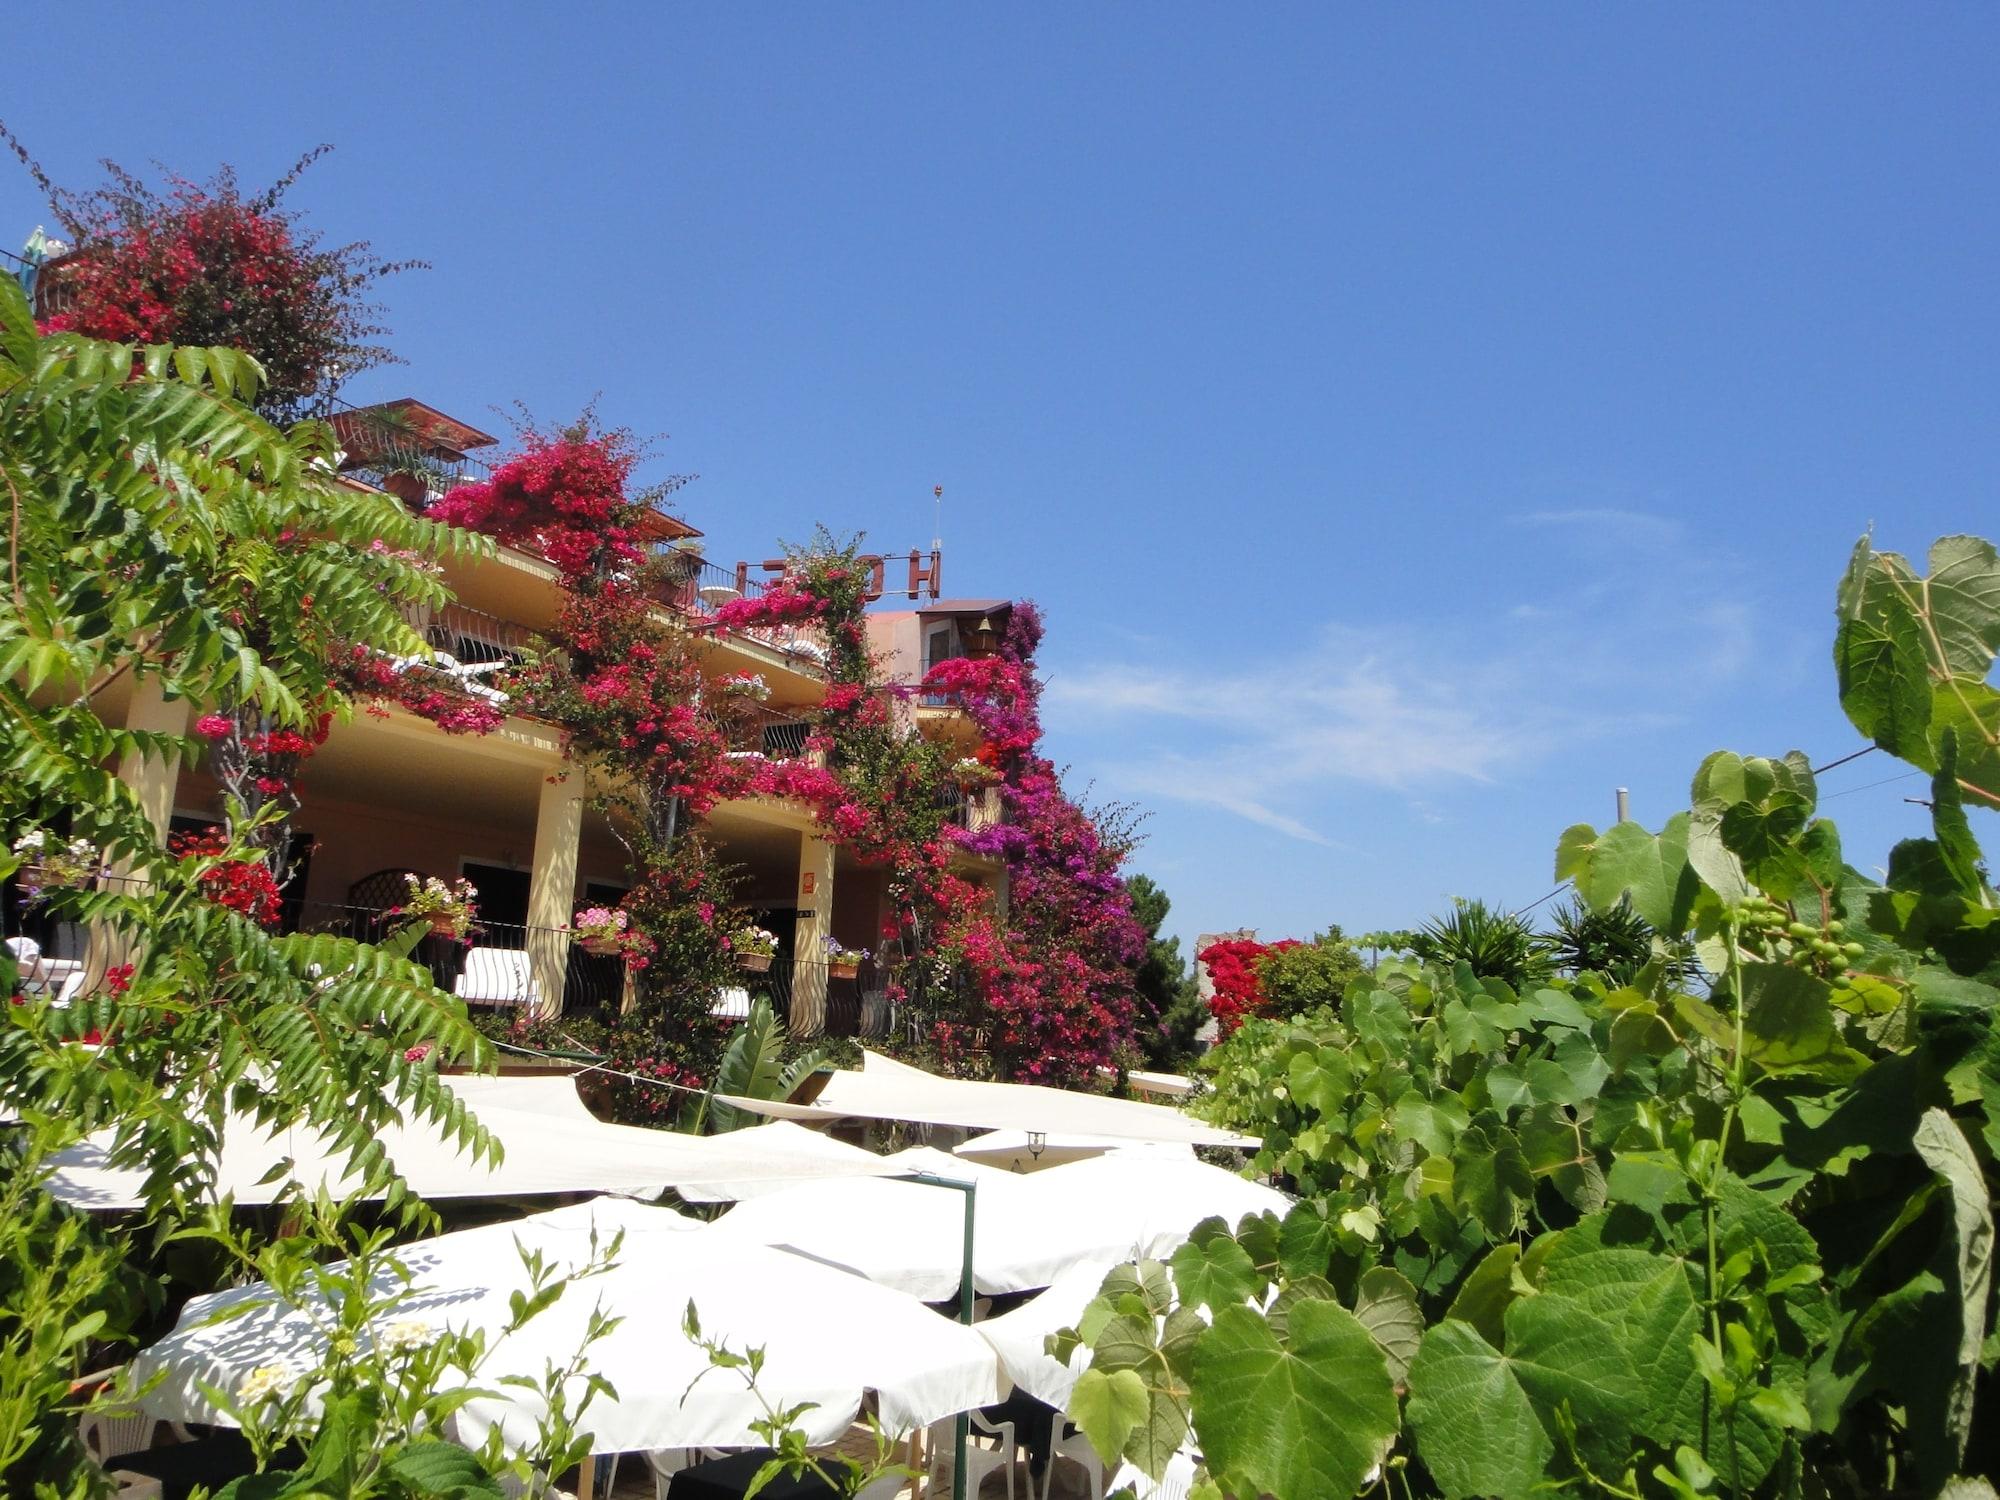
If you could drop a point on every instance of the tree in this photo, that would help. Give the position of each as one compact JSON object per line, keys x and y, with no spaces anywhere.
{"x":1170,"y":1009}
{"x":1305,"y":976}
{"x":1616,"y":942}
{"x":153,"y":516}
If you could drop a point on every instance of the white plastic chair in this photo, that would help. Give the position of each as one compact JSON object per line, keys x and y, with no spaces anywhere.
{"x":731,"y":1004}
{"x":1074,"y":1445}
{"x":979,"y":1459}
{"x":499,"y":976}
{"x":113,"y":1431}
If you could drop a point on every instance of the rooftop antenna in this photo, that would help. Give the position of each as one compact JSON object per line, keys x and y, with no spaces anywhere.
{"x":937,"y":518}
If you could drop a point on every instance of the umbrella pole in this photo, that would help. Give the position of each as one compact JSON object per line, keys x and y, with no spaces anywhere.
{"x":962,"y":1423}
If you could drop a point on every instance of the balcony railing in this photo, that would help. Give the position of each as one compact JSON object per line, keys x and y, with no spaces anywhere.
{"x":755,"y":729}
{"x":501,"y":964}
{"x":974,"y":810}
{"x":857,"y":1006}
{"x":471,"y":637}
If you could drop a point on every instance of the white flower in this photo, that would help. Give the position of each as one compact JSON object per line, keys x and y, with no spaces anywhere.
{"x":405,"y":1334}
{"x":31,"y":842}
{"x":262,"y":1383}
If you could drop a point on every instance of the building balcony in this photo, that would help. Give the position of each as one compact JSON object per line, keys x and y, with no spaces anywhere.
{"x":497,"y":967}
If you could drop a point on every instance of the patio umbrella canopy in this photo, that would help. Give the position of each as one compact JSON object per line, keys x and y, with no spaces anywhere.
{"x":1021,"y":1151}
{"x":884,"y":1089}
{"x":1027,"y":1229}
{"x":550,"y":1145}
{"x":828,"y":1339}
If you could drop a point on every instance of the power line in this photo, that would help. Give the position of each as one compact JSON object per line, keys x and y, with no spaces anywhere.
{"x":1885,"y":781}
{"x":1856,"y":755}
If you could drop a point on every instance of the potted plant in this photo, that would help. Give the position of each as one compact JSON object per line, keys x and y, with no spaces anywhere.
{"x":447,"y":906}
{"x":971,"y":773}
{"x":754,"y":948}
{"x":843,"y":963}
{"x":749,"y":685}
{"x":601,"y":931}
{"x":46,"y":864}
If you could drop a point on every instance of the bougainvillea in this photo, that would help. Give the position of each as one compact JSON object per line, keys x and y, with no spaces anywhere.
{"x":1055,"y":978}
{"x":201,"y":263}
{"x":618,"y":676}
{"x":1233,"y":972}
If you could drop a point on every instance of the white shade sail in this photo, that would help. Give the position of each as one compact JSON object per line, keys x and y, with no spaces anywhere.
{"x":828,"y":1339}
{"x":549,"y":1146}
{"x":1027,"y":1229}
{"x":884,"y":1089}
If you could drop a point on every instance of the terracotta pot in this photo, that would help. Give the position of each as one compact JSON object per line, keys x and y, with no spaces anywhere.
{"x":443,"y":924}
{"x":835,"y":969}
{"x":36,"y":874}
{"x":601,"y":947}
{"x":754,"y":963}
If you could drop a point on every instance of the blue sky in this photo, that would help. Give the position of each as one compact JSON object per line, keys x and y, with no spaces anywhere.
{"x":1413,"y":425}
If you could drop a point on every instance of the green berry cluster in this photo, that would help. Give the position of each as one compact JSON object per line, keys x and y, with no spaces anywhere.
{"x":1772,"y":932}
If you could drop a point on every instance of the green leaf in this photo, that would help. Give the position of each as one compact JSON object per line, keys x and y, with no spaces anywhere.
{"x":1212,"y":1270}
{"x":1568,"y":1358}
{"x":1306,"y":1418}
{"x":1476,"y":1428}
{"x":1787,"y":1016}
{"x":1649,"y":1299}
{"x":1484,"y":1296}
{"x":1627,"y":860}
{"x":1108,"y":1406}
{"x":1386,"y":1305}
{"x":1490,"y":1176}
{"x":1963,"y":598}
{"x":1944,"y":1149}
{"x":444,"y":1469}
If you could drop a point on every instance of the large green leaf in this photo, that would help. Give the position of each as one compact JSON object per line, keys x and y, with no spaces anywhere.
{"x":1300,"y":1420}
{"x":1626,"y":860}
{"x":1962,"y":600}
{"x":1787,"y":1016}
{"x":1607,"y":1266}
{"x":1476,"y":1428}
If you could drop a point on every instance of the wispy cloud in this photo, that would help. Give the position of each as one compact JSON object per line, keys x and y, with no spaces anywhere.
{"x":1416,"y":708}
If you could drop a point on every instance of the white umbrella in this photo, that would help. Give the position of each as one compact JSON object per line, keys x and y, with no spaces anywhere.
{"x":827,"y":1339}
{"x":550,"y":1147}
{"x":884,"y":1089}
{"x":1021,"y":1337}
{"x":1036,"y":1151}
{"x":1027,"y":1229}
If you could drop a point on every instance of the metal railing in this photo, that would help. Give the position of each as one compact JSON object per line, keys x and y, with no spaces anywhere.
{"x":499,"y":964}
{"x":471,"y":636}
{"x":973,"y":810}
{"x":769,"y":732}
{"x":812,"y":1001}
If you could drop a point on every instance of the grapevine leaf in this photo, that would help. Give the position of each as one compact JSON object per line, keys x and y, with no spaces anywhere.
{"x":1108,"y":1406}
{"x":1386,"y":1306}
{"x":1476,"y":1430}
{"x":1490,"y":1176}
{"x":1306,"y":1418}
{"x":1483,"y":1297}
{"x":1212,"y":1270}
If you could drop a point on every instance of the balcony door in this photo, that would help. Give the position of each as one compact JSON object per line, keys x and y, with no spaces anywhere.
{"x":502,"y":904}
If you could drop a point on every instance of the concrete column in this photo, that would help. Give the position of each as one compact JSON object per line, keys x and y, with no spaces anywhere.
{"x":552,"y":888}
{"x":154,"y":780}
{"x":815,"y":898}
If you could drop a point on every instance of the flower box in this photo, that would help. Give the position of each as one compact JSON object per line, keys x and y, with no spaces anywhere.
{"x":754,"y":963}
{"x":839,"y":968}
{"x":602,"y":947}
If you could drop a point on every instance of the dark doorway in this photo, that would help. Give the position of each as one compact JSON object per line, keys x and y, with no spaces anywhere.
{"x":502,"y":903}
